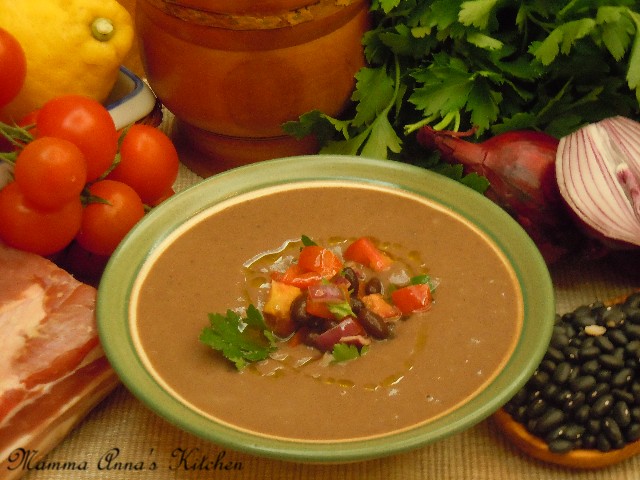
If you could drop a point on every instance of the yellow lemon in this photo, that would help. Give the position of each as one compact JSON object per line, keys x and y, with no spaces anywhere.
{"x":72,"y":47}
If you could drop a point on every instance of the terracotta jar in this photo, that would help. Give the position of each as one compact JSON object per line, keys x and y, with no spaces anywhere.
{"x":232,"y":71}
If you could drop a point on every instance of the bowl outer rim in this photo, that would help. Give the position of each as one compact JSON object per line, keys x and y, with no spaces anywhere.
{"x":520,"y":251}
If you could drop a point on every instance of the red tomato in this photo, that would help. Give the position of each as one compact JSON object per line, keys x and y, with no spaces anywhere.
{"x":148,"y":162}
{"x":319,"y":260}
{"x":25,"y":227}
{"x":365,"y":252}
{"x":14,"y":67}
{"x":51,"y":172}
{"x":84,"y":122}
{"x":412,"y":298}
{"x":105,"y":223}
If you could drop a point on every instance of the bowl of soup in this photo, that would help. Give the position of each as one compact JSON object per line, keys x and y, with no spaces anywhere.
{"x":211,"y":249}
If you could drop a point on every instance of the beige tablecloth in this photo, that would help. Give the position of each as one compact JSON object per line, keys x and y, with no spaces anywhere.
{"x":122,"y":440}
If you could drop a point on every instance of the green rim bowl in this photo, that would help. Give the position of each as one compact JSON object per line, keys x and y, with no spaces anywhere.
{"x":531,"y":273}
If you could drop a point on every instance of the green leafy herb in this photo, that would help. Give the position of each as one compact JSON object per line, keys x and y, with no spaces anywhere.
{"x":343,"y":352}
{"x":488,"y":65}
{"x":240,"y":340}
{"x":307,"y":242}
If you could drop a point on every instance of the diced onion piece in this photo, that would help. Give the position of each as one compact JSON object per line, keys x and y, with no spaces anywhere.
{"x":598,"y":174}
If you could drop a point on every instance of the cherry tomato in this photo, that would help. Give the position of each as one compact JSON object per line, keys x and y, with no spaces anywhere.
{"x":84,"y":122}
{"x":51,"y":172}
{"x":14,"y":67}
{"x":148,"y":162}
{"x":104,"y":225}
{"x":24,"y":226}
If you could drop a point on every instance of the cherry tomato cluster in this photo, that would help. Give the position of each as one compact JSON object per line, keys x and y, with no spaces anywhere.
{"x":77,"y":179}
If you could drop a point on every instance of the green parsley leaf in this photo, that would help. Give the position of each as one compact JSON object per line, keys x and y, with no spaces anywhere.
{"x":343,"y":352}
{"x":240,"y":340}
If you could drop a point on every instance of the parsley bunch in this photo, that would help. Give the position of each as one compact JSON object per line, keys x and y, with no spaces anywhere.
{"x":488,"y":65}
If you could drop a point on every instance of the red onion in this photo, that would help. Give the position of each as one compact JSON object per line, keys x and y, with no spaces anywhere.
{"x":598,"y":174}
{"x":326,"y":293}
{"x":520,"y":166}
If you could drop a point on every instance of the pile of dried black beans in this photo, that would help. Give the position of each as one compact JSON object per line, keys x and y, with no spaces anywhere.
{"x":585,"y":394}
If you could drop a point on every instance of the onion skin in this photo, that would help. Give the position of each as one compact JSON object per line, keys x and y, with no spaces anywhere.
{"x":520,"y":166}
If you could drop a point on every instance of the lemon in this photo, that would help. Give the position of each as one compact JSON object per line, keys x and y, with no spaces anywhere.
{"x":71,"y":46}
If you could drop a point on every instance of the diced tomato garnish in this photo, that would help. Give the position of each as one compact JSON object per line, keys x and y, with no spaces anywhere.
{"x":412,"y":298}
{"x":314,"y":258}
{"x":297,"y":276}
{"x":365,"y":252}
{"x":378,"y":305}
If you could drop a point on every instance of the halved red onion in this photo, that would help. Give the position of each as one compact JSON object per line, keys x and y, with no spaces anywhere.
{"x":326,"y":293}
{"x":598,"y":174}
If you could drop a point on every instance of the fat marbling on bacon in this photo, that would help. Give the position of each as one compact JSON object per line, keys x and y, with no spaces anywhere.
{"x":52,"y":368}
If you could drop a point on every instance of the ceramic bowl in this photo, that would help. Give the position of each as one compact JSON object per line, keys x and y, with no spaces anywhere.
{"x":445,"y":372}
{"x":130,"y":100}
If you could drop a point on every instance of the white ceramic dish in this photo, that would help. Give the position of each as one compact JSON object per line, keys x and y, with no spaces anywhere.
{"x":130,"y":100}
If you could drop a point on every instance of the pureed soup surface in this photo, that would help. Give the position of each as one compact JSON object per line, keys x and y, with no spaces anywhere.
{"x":438,"y":359}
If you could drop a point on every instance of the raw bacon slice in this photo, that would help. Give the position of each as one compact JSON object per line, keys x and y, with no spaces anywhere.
{"x":52,"y":368}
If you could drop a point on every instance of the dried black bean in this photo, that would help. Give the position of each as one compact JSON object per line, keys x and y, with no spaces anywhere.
{"x":560,"y":445}
{"x":632,"y":330}
{"x":554,"y":354}
{"x":573,"y":432}
{"x":613,"y":317}
{"x":536,"y":408}
{"x":583,"y":384}
{"x":621,"y":414}
{"x":590,"y":367}
{"x":604,"y":344}
{"x":576,"y":400}
{"x":562,"y":372}
{"x":612,"y":430}
{"x":632,"y":433}
{"x":602,"y":443}
{"x":589,"y":352}
{"x":552,"y":418}
{"x":612,"y":362}
{"x":622,"y":378}
{"x":602,"y":406}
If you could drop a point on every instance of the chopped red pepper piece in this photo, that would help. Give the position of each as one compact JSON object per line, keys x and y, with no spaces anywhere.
{"x":297,"y":276}
{"x":412,"y":298}
{"x":314,"y":258}
{"x":365,"y":252}
{"x":378,"y":305}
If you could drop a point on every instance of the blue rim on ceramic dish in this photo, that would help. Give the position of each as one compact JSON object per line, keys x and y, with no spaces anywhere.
{"x":509,"y":238}
{"x":131,"y":99}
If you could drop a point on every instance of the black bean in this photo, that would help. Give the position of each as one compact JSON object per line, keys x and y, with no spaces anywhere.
{"x":603,"y":375}
{"x":576,"y":401}
{"x":602,"y":406}
{"x":573,"y":432}
{"x":356,"y":304}
{"x":599,"y":390}
{"x":560,"y":341}
{"x":632,"y":433}
{"x":548,"y":366}
{"x":633,"y":315}
{"x":632,"y":330}
{"x":590,"y":367}
{"x":612,"y":430}
{"x":298,"y":311}
{"x":621,"y":414}
{"x":611,"y":361}
{"x":560,"y":445}
{"x":623,"y":395}
{"x":572,"y":353}
{"x":373,"y":285}
{"x":633,"y":346}
{"x":552,"y":418}
{"x":604,"y":344}
{"x":602,"y":443}
{"x":554,"y":354}
{"x":589,"y":441}
{"x":536,"y":408}
{"x":539,"y":379}
{"x":351,"y":275}
{"x":622,"y":378}
{"x":583,"y":384}
{"x":562,"y":372}
{"x":550,"y":391}
{"x":594,"y":426}
{"x":373,"y":324}
{"x":589,"y":352}
{"x":582,"y":414}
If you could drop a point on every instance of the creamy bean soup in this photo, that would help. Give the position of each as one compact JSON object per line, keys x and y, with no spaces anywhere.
{"x":436,"y":360}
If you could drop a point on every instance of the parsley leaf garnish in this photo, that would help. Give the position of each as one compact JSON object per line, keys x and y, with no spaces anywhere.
{"x":240,"y":340}
{"x":343,"y":352}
